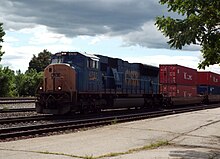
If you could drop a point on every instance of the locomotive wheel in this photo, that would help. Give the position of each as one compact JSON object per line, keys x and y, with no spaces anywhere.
{"x":84,"y":108}
{"x":39,"y":107}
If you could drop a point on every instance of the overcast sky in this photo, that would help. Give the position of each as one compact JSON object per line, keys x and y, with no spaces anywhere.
{"x":123,"y":29}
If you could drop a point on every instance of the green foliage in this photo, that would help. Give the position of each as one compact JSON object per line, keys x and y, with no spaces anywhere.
{"x":114,"y":121}
{"x":19,"y":84}
{"x":2,"y":33}
{"x":23,"y":84}
{"x":200,"y":25}
{"x":7,"y":86}
{"x":40,"y":62}
{"x":27,"y":83}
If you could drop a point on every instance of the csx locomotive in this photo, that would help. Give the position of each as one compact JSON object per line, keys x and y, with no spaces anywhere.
{"x":83,"y":82}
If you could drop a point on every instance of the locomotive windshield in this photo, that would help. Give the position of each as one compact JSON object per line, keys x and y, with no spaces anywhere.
{"x":57,"y":59}
{"x":60,"y":58}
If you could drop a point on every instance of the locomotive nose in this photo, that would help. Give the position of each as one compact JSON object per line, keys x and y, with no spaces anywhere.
{"x":58,"y":93}
{"x":59,"y":77}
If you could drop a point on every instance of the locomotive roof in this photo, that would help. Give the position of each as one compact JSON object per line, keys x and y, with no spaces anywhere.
{"x":147,"y":65}
{"x":92,"y":56}
{"x":96,"y":57}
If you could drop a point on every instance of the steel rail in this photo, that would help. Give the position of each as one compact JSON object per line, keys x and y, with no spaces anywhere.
{"x":12,"y":100}
{"x":17,"y":101}
{"x":17,"y":98}
{"x":17,"y":110}
{"x":26,"y":119}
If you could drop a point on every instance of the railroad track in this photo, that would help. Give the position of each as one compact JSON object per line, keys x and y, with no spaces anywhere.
{"x":32,"y":130}
{"x":12,"y":100}
{"x":17,"y":110}
{"x":26,"y":119}
{"x":18,"y":104}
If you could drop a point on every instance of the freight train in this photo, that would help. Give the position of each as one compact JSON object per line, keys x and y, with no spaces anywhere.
{"x":82,"y":82}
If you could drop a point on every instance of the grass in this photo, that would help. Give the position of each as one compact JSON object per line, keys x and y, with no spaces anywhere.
{"x":114,"y":121}
{"x":143,"y":148}
{"x":64,"y":154}
{"x":113,"y":154}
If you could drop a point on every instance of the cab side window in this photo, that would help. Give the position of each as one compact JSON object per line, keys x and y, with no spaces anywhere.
{"x":92,"y":64}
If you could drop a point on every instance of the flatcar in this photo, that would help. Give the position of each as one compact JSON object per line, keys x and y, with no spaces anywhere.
{"x":84,"y":82}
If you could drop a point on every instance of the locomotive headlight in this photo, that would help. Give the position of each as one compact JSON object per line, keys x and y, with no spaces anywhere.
{"x":59,"y":88}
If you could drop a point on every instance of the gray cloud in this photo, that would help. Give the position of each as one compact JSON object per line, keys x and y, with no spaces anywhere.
{"x":147,"y":36}
{"x":13,"y":57}
{"x":126,"y":18}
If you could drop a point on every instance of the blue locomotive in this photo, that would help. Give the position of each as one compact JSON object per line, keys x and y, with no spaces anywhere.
{"x":84,"y":82}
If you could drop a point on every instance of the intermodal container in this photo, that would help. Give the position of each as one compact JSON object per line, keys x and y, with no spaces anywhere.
{"x":202,"y":89}
{"x":174,"y":90}
{"x":176,"y":74}
{"x":208,"y":78}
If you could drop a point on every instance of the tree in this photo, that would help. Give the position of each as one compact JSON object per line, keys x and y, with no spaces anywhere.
{"x":7,"y":86}
{"x":200,"y":25}
{"x":19,"y":82}
{"x":2,"y":33}
{"x":41,"y":61}
{"x":26,"y":84}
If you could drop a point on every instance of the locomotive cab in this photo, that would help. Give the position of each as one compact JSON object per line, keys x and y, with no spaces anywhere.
{"x":57,"y":95}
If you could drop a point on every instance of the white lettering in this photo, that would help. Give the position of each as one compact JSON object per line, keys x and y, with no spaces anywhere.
{"x":215,"y":80}
{"x":184,"y":75}
{"x":187,"y":77}
{"x":190,"y":77}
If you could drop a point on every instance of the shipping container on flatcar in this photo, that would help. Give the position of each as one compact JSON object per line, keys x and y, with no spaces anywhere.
{"x":174,"y":90}
{"x":208,"y":90}
{"x":176,"y":74}
{"x":208,"y":79}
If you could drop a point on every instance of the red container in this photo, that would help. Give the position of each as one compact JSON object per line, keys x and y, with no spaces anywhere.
{"x":176,"y":74}
{"x":208,"y":78}
{"x":174,"y":90}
